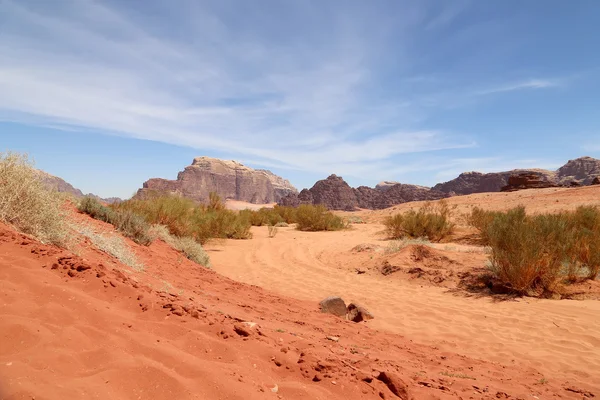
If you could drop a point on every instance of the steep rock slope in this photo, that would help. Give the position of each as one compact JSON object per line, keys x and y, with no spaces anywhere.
{"x":336,"y":194}
{"x":229,"y":179}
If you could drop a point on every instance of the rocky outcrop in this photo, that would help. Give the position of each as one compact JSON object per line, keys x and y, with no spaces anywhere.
{"x":528,"y":180}
{"x":229,"y":179}
{"x":336,"y":194}
{"x":60,"y":185}
{"x":477,"y":182}
{"x":582,"y":170}
{"x":596,"y":181}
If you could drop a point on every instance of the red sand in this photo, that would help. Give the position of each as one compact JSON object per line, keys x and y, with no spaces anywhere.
{"x":169,"y":332}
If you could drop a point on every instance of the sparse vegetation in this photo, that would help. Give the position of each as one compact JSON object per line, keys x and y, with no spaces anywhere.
{"x":184,"y":217}
{"x":431,"y":221}
{"x":111,"y":244}
{"x":530,"y":253}
{"x":127,"y":222}
{"x":272,"y":231}
{"x":307,"y":217}
{"x":318,"y":218}
{"x":187,"y":245}
{"x":457,"y":375}
{"x":397,"y":245}
{"x":27,"y":204}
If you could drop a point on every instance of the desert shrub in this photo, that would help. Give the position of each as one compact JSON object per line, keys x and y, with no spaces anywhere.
{"x":27,"y":204}
{"x":263,"y":216}
{"x":126,"y":221}
{"x":531,"y":252}
{"x":397,"y":245}
{"x":111,"y":244}
{"x":281,"y":225}
{"x":187,"y":245}
{"x":431,"y":221}
{"x":185,"y":218}
{"x":317,"y":218}
{"x":272,"y":231}
{"x":287,"y":214}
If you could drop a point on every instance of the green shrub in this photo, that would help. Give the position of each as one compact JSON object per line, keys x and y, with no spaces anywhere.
{"x":126,"y":221}
{"x":27,"y":204}
{"x":187,"y":245}
{"x":317,"y":218}
{"x":183,"y":217}
{"x":541,"y":251}
{"x":431,"y":221}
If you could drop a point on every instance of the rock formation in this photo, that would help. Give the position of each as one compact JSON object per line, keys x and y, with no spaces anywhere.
{"x":336,"y":194}
{"x":528,"y":180}
{"x":229,"y":179}
{"x":60,"y":185}
{"x":580,"y":171}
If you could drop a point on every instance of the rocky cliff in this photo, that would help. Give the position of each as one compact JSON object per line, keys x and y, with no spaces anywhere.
{"x":229,"y":179}
{"x":336,"y":194}
{"x":580,"y":171}
{"x":60,"y":185}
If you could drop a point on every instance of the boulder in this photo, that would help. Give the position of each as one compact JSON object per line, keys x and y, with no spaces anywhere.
{"x":596,"y":181}
{"x":357,"y":313}
{"x":229,"y":179}
{"x":333,"y":305}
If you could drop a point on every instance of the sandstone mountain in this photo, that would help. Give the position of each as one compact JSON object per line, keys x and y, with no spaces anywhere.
{"x":336,"y":194}
{"x":580,"y":171}
{"x":62,"y":186}
{"x":229,"y":179}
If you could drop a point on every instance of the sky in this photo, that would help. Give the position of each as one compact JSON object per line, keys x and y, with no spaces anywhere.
{"x":107,"y":94}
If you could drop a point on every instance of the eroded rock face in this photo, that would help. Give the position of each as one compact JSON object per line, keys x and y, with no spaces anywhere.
{"x":477,"y":182}
{"x":336,"y":194}
{"x":229,"y":179}
{"x":582,"y":170}
{"x":528,"y":180}
{"x":60,"y":185}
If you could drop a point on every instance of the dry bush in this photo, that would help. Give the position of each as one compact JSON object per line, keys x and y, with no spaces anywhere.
{"x":113,"y":245}
{"x":397,"y":245}
{"x":27,"y":204}
{"x":538,"y":252}
{"x":187,"y":245}
{"x":317,"y":218}
{"x":185,"y":218}
{"x":126,"y":221}
{"x":431,"y":221}
{"x":272,"y":231}
{"x":281,"y":225}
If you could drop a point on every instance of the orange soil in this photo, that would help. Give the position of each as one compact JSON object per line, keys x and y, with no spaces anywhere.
{"x":90,"y":327}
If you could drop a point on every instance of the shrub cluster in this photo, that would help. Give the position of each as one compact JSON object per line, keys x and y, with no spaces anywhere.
{"x":307,"y":217}
{"x":187,"y":245}
{"x":185,"y":218}
{"x":431,"y":221}
{"x":127,"y":222}
{"x":531,"y":252}
{"x":26,"y":202}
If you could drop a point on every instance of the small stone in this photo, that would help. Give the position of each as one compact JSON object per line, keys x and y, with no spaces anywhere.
{"x":275,"y":389}
{"x":113,"y":284}
{"x":242,"y":330}
{"x":333,"y":338}
{"x":357,"y":313}
{"x":72,"y":273}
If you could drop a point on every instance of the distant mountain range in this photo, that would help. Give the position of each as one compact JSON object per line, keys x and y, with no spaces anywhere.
{"x":60,"y":185}
{"x":235,"y":181}
{"x":336,"y":194}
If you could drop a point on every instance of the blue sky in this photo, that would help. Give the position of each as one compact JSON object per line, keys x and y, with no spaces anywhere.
{"x":107,"y":94}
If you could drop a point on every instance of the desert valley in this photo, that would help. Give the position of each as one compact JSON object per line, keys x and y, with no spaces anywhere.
{"x":114,"y":311}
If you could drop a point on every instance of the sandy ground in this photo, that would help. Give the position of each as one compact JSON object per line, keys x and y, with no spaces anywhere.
{"x":243,"y":205}
{"x":556,"y":337}
{"x":86,"y":326}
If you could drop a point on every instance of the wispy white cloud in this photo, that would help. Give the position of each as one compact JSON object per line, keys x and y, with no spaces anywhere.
{"x":524,"y":85}
{"x":296,"y":103}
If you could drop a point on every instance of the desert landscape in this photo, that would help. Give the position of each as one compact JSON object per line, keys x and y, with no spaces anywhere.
{"x":121,"y":312}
